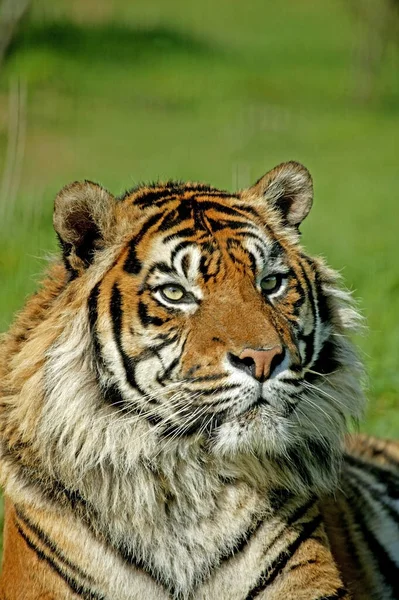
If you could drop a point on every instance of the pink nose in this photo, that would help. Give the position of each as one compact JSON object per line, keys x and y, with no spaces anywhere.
{"x":260,"y":361}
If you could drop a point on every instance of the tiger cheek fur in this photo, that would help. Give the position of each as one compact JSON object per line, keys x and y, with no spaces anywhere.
{"x":173,"y":408}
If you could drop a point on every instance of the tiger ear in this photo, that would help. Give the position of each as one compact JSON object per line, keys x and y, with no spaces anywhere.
{"x":82,"y":219}
{"x":288,"y":188}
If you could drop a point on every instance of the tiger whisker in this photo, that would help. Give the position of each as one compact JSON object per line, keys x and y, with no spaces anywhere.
{"x":143,"y":412}
{"x":182,"y":428}
{"x":161,"y":425}
{"x":299,"y":409}
{"x":307,"y":399}
{"x":324,"y":375}
{"x":311,"y":386}
{"x":145,"y":397}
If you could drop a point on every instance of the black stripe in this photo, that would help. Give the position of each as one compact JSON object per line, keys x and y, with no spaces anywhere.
{"x":242,"y":541}
{"x":210,"y":404}
{"x":113,"y":396}
{"x":205,"y":378}
{"x":387,"y":568}
{"x":185,"y":232}
{"x":376,"y":495}
{"x":185,"y":264}
{"x":384,"y":475}
{"x":147,"y":319}
{"x":326,"y":363}
{"x":297,"y":462}
{"x":275,"y":251}
{"x":167,"y":339}
{"x":229,"y":224}
{"x":294,"y":382}
{"x":177,"y":249}
{"x":162,"y":267}
{"x":141,"y":565}
{"x":155,"y":197}
{"x":349,"y":526}
{"x":224,"y":388}
{"x":240,"y":263}
{"x":247,"y":209}
{"x":200,"y":220}
{"x":233,"y":210}
{"x":128,"y":363}
{"x":262,"y":252}
{"x":233,"y":244}
{"x":46,"y":541}
{"x":180,"y":431}
{"x":56,"y":493}
{"x":111,"y":392}
{"x":249,"y":234}
{"x":175,"y":217}
{"x":116,"y":314}
{"x":92,"y":305}
{"x":198,"y":423}
{"x":322,"y":301}
{"x":252,"y":260}
{"x":296,"y":287}
{"x":305,"y":563}
{"x":132,"y":264}
{"x":73,"y":585}
{"x":340,"y":593}
{"x":300,"y":511}
{"x":309,"y":339}
{"x":309,"y":347}
{"x":203,"y":266}
{"x":280,"y":499}
{"x":168,"y":370}
{"x":278,"y":564}
{"x":214,"y":192}
{"x":172,"y":191}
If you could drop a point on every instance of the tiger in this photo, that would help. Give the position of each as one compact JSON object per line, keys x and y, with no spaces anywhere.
{"x":177,"y":408}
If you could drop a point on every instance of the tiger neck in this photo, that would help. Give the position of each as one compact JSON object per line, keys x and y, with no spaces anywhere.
{"x":186,"y":485}
{"x":178,"y":519}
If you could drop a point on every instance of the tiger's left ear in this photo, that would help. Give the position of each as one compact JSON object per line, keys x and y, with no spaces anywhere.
{"x":288,"y":188}
{"x":83,"y":219}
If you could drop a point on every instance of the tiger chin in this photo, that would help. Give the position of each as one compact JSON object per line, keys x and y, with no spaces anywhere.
{"x":174,"y":407}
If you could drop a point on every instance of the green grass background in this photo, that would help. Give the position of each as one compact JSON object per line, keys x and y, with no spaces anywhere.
{"x":217,"y":91}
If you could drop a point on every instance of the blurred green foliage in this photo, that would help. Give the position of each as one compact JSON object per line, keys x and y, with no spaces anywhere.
{"x":219,"y":92}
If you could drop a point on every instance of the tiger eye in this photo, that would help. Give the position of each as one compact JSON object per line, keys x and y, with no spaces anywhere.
{"x":271,"y":283}
{"x":173,"y":292}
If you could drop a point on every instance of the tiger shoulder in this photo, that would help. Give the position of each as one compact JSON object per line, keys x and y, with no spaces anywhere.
{"x":175,"y":403}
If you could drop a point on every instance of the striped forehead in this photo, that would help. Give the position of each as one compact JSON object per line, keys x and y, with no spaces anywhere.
{"x":177,"y":237}
{"x":173,"y":257}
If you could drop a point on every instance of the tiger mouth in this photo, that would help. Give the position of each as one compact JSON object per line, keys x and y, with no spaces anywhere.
{"x":260,"y":401}
{"x":253,"y":408}
{"x":251,"y":411}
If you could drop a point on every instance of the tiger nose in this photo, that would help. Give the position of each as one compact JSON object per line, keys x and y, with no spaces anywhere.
{"x":258,"y":363}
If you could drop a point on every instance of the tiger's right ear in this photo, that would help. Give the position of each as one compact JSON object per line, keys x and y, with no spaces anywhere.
{"x":288,"y":189}
{"x":83,"y":217}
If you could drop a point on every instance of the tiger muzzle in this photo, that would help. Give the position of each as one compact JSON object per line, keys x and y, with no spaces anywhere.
{"x":259,"y":363}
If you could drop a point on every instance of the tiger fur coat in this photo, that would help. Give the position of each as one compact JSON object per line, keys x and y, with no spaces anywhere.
{"x":174,"y":409}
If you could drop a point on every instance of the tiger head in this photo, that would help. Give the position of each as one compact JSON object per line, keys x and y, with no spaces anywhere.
{"x":192,"y":318}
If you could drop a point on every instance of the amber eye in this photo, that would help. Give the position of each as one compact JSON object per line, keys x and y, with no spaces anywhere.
{"x":271,"y":284}
{"x":173,"y":293}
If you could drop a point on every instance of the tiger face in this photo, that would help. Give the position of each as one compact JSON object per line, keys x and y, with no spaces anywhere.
{"x":208,"y":323}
